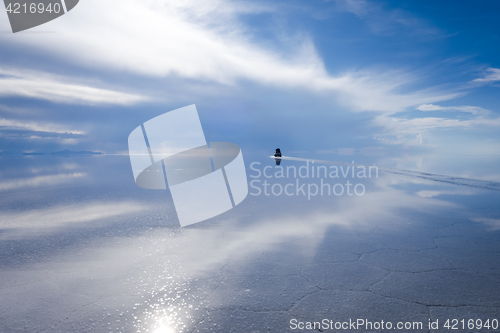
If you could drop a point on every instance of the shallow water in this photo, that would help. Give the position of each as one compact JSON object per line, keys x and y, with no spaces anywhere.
{"x":82,"y":248}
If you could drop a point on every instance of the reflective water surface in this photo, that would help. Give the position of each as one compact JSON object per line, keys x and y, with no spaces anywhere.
{"x":83,"y":249}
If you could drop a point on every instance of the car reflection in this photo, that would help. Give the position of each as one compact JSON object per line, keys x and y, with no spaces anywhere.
{"x":277,"y":156}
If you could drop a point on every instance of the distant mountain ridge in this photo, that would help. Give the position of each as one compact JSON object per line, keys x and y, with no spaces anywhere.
{"x":68,"y":152}
{"x":62,"y":152}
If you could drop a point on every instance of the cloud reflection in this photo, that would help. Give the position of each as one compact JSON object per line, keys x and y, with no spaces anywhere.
{"x":493,"y":224}
{"x":201,"y":252}
{"x":67,"y":215}
{"x":41,"y":180}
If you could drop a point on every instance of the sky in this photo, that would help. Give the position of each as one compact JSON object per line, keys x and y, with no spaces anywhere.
{"x":378,"y":77}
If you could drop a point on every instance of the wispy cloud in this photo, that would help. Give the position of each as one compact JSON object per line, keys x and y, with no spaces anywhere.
{"x":432,"y":194}
{"x":384,"y":21}
{"x":18,"y":110}
{"x":38,"y":126}
{"x":380,"y":91}
{"x":492,"y":77}
{"x":418,"y":125}
{"x":33,"y":84}
{"x":399,"y":130}
{"x":475,"y":110}
{"x":47,"y":137}
{"x":206,"y":40}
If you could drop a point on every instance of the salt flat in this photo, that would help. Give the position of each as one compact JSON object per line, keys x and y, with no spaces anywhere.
{"x":97,"y":254}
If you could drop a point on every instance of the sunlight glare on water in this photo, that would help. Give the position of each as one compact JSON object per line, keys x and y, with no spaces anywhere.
{"x":164,"y":329}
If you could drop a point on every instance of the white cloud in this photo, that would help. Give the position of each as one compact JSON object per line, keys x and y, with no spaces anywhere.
{"x":413,"y":131}
{"x":417,"y":125}
{"x":431,"y":194}
{"x":476,"y":110}
{"x":494,"y":76}
{"x":206,"y":40}
{"x":38,"y":126}
{"x":372,"y":91}
{"x":65,"y":141}
{"x":32,"y":84}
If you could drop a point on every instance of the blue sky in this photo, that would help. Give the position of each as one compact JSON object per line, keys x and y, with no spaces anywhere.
{"x":377,"y":77}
